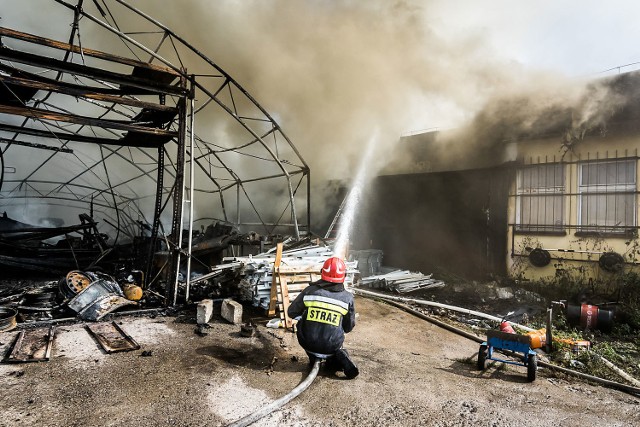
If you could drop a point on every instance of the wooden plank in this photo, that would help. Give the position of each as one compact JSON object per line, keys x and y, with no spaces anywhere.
{"x":293,"y":295}
{"x":142,"y":84}
{"x":298,"y":270}
{"x":83,"y":120}
{"x":275,"y":280}
{"x":18,"y":35}
{"x":297,"y":278}
{"x":285,"y":302}
{"x":84,"y":92}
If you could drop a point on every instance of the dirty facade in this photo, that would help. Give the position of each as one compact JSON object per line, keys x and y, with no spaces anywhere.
{"x":548,"y":204}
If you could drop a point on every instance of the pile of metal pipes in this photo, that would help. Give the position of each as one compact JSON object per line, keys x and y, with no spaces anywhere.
{"x":402,"y":281}
{"x":257,"y":270}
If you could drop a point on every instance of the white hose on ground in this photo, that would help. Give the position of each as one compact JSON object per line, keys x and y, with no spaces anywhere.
{"x":437,"y":304}
{"x":612,"y":384}
{"x":277,"y":404}
{"x":619,"y":371}
{"x":610,"y":365}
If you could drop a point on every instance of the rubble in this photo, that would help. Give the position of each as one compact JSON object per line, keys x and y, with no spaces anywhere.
{"x":231,"y":311}
{"x":248,"y":330}
{"x":204,"y":311}
{"x":7,"y":318}
{"x":99,"y":298}
{"x":29,"y":247}
{"x":402,"y":281}
{"x":257,"y":271}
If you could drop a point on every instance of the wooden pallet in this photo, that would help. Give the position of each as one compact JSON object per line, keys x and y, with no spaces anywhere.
{"x":286,"y":284}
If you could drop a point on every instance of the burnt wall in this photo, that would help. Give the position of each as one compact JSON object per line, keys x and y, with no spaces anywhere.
{"x":446,"y":222}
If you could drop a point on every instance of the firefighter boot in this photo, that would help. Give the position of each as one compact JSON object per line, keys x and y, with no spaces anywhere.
{"x":348,"y":367}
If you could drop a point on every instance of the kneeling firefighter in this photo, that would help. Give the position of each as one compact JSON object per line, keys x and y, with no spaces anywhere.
{"x":326,"y":311}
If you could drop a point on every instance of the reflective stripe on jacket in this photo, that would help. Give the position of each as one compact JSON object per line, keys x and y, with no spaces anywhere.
{"x":326,"y":312}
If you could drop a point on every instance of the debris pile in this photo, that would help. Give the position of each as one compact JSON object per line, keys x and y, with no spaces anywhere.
{"x":87,"y":295}
{"x":402,"y":281}
{"x":92,"y":295}
{"x":257,"y":271}
{"x":32,"y":248}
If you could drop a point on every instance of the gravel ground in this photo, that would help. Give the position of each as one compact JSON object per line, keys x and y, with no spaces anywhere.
{"x":412,"y":373}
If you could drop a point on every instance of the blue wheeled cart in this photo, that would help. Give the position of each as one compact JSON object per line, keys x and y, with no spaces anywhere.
{"x":521,"y":344}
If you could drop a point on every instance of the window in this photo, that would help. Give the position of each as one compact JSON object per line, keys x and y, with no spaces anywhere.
{"x":540,"y":198}
{"x":607,"y":193}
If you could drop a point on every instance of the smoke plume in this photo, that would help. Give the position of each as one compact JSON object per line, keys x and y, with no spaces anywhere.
{"x":332,"y":71}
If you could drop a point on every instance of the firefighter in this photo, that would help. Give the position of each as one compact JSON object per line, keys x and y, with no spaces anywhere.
{"x":326,"y":311}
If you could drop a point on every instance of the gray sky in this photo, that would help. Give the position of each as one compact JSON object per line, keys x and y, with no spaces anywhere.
{"x":575,"y":37}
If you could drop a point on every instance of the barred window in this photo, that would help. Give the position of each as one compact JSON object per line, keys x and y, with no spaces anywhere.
{"x":607,"y":196}
{"x":540,"y":198}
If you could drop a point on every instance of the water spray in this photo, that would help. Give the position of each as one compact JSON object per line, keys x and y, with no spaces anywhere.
{"x":353,"y":199}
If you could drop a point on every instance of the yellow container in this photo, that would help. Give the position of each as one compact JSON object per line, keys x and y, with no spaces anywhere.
{"x":538,"y":338}
{"x":132,"y":292}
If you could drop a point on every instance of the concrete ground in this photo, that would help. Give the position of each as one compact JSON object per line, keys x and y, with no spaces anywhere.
{"x":412,"y":373}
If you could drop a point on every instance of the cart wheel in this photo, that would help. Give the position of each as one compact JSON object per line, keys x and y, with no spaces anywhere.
{"x":482,"y":357}
{"x":532,"y":367}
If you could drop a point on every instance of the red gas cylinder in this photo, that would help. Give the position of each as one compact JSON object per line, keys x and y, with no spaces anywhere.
{"x":506,"y":327}
{"x":590,"y":316}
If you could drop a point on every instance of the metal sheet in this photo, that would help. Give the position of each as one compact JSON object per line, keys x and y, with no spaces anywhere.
{"x":112,"y":338}
{"x":32,"y":346}
{"x":98,"y":299}
{"x":7,"y":319}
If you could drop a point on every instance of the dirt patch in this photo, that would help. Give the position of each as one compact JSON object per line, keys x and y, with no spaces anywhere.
{"x":412,"y":373}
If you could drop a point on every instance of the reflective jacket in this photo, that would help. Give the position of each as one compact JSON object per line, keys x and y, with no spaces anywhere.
{"x":326,"y":312}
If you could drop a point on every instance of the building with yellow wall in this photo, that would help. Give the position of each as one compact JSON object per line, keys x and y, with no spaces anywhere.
{"x":573,"y":210}
{"x":556,"y":196}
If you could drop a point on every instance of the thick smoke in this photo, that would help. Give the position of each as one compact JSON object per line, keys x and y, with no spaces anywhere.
{"x":332,"y":71}
{"x":562,"y":109}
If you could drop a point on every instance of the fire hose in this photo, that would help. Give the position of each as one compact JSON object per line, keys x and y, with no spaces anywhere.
{"x":611,"y":384}
{"x":277,"y":404}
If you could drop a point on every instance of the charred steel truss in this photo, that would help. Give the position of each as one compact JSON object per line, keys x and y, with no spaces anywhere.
{"x":112,"y":130}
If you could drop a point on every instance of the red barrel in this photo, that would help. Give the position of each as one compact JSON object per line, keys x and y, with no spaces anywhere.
{"x":589,"y":316}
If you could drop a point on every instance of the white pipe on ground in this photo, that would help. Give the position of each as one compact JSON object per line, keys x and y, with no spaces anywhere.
{"x":623,"y":387}
{"x":437,"y":304}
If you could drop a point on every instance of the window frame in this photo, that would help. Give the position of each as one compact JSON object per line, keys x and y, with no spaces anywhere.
{"x":604,"y":190}
{"x":557,"y":190}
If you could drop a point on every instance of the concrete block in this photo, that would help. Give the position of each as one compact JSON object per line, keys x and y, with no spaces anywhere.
{"x":204,"y":311}
{"x":231,"y":311}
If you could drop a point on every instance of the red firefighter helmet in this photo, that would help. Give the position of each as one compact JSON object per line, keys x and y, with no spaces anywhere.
{"x":334,"y":270}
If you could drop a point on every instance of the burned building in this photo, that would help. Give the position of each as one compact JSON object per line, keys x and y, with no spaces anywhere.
{"x":558,"y":196}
